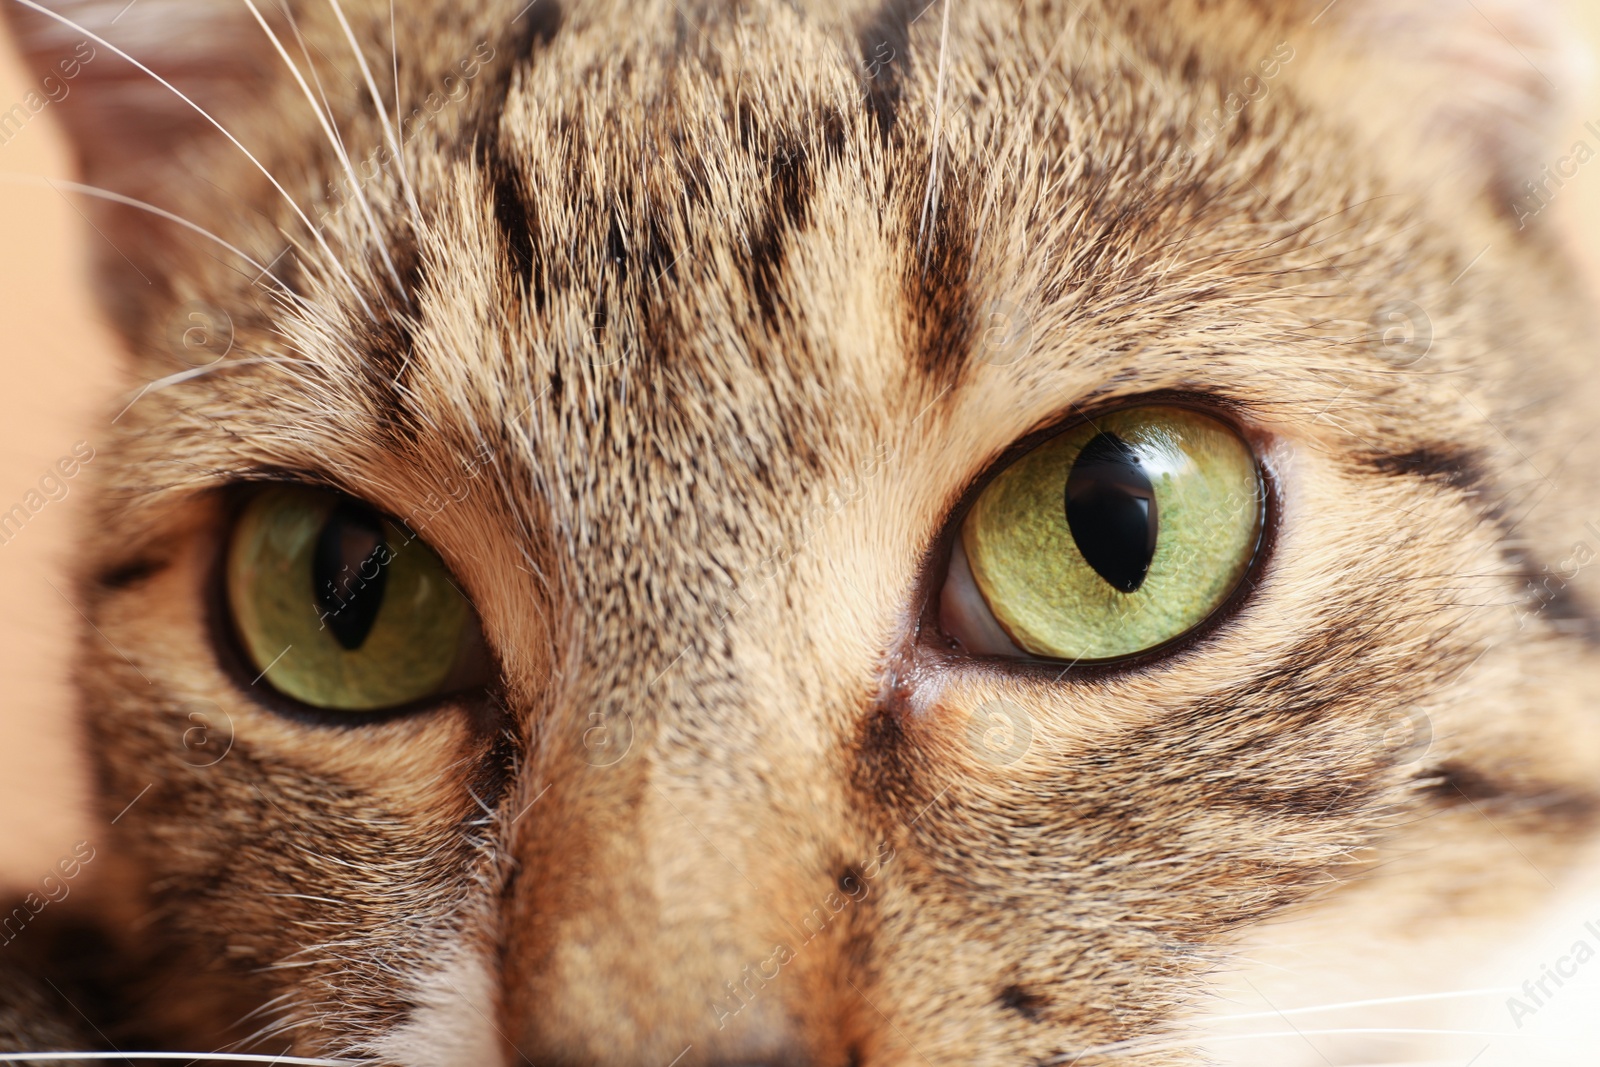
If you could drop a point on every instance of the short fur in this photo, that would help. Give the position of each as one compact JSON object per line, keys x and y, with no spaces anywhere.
{"x":685,"y":357}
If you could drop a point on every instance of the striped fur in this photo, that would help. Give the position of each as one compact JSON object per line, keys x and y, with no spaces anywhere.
{"x":683,"y":363}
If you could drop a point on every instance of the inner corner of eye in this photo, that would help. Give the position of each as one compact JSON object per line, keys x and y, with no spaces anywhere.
{"x":1111,"y":538}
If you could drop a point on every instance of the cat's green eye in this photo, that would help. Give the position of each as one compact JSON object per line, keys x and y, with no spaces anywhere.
{"x":342,"y":609}
{"x":1112,"y":538}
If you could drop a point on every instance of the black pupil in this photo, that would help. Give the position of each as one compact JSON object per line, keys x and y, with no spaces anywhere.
{"x":348,"y":573}
{"x":1111,"y":511}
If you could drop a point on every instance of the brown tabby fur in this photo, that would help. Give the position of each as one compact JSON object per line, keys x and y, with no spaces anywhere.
{"x":683,"y":376}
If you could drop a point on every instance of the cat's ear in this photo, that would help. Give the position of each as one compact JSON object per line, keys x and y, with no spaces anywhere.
{"x":1485,"y":80}
{"x":124,"y":124}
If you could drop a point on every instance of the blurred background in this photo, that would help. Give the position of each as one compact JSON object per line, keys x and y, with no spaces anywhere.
{"x":58,"y":380}
{"x":60,"y":384}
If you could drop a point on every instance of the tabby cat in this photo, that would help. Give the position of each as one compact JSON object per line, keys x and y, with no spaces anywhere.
{"x":668,"y":533}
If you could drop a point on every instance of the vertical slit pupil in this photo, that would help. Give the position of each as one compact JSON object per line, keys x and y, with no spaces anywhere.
{"x":1111,"y":511}
{"x":348,"y":573}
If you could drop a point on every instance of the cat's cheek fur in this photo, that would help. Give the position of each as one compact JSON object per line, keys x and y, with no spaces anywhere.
{"x":219,"y":748}
{"x":456,"y":1001}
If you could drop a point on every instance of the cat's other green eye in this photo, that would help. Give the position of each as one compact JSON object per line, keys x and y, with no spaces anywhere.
{"x":1110,"y":539}
{"x":343,"y":609}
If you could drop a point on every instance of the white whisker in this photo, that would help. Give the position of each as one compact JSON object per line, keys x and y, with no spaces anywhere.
{"x":377,"y":101}
{"x":128,"y":201}
{"x":192,"y":1057}
{"x":1166,"y":1043}
{"x":1362,"y":1030}
{"x":400,"y":141}
{"x":334,"y":140}
{"x":1411,"y":999}
{"x":197,"y":372}
{"x":333,"y":260}
{"x":930,"y":202}
{"x":316,"y":311}
{"x":209,"y":368}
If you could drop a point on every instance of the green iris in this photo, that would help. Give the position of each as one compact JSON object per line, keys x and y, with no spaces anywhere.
{"x":1118,"y":535}
{"x":341,"y":608}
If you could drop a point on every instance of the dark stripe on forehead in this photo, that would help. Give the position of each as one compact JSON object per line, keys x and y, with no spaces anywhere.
{"x":793,"y":168}
{"x":538,"y":22}
{"x":388,"y":346}
{"x":532,"y":29}
{"x":535,"y":27}
{"x":885,"y":42}
{"x":513,"y":217}
{"x":788,"y":202}
{"x":937,"y":283}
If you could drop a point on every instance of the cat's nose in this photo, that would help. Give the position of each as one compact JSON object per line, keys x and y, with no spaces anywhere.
{"x":789,"y":1061}
{"x":697,"y":878}
{"x":652,"y":921}
{"x":686,"y":1061}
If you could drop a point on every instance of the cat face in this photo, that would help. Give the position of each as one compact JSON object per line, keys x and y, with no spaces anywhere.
{"x":696,"y":374}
